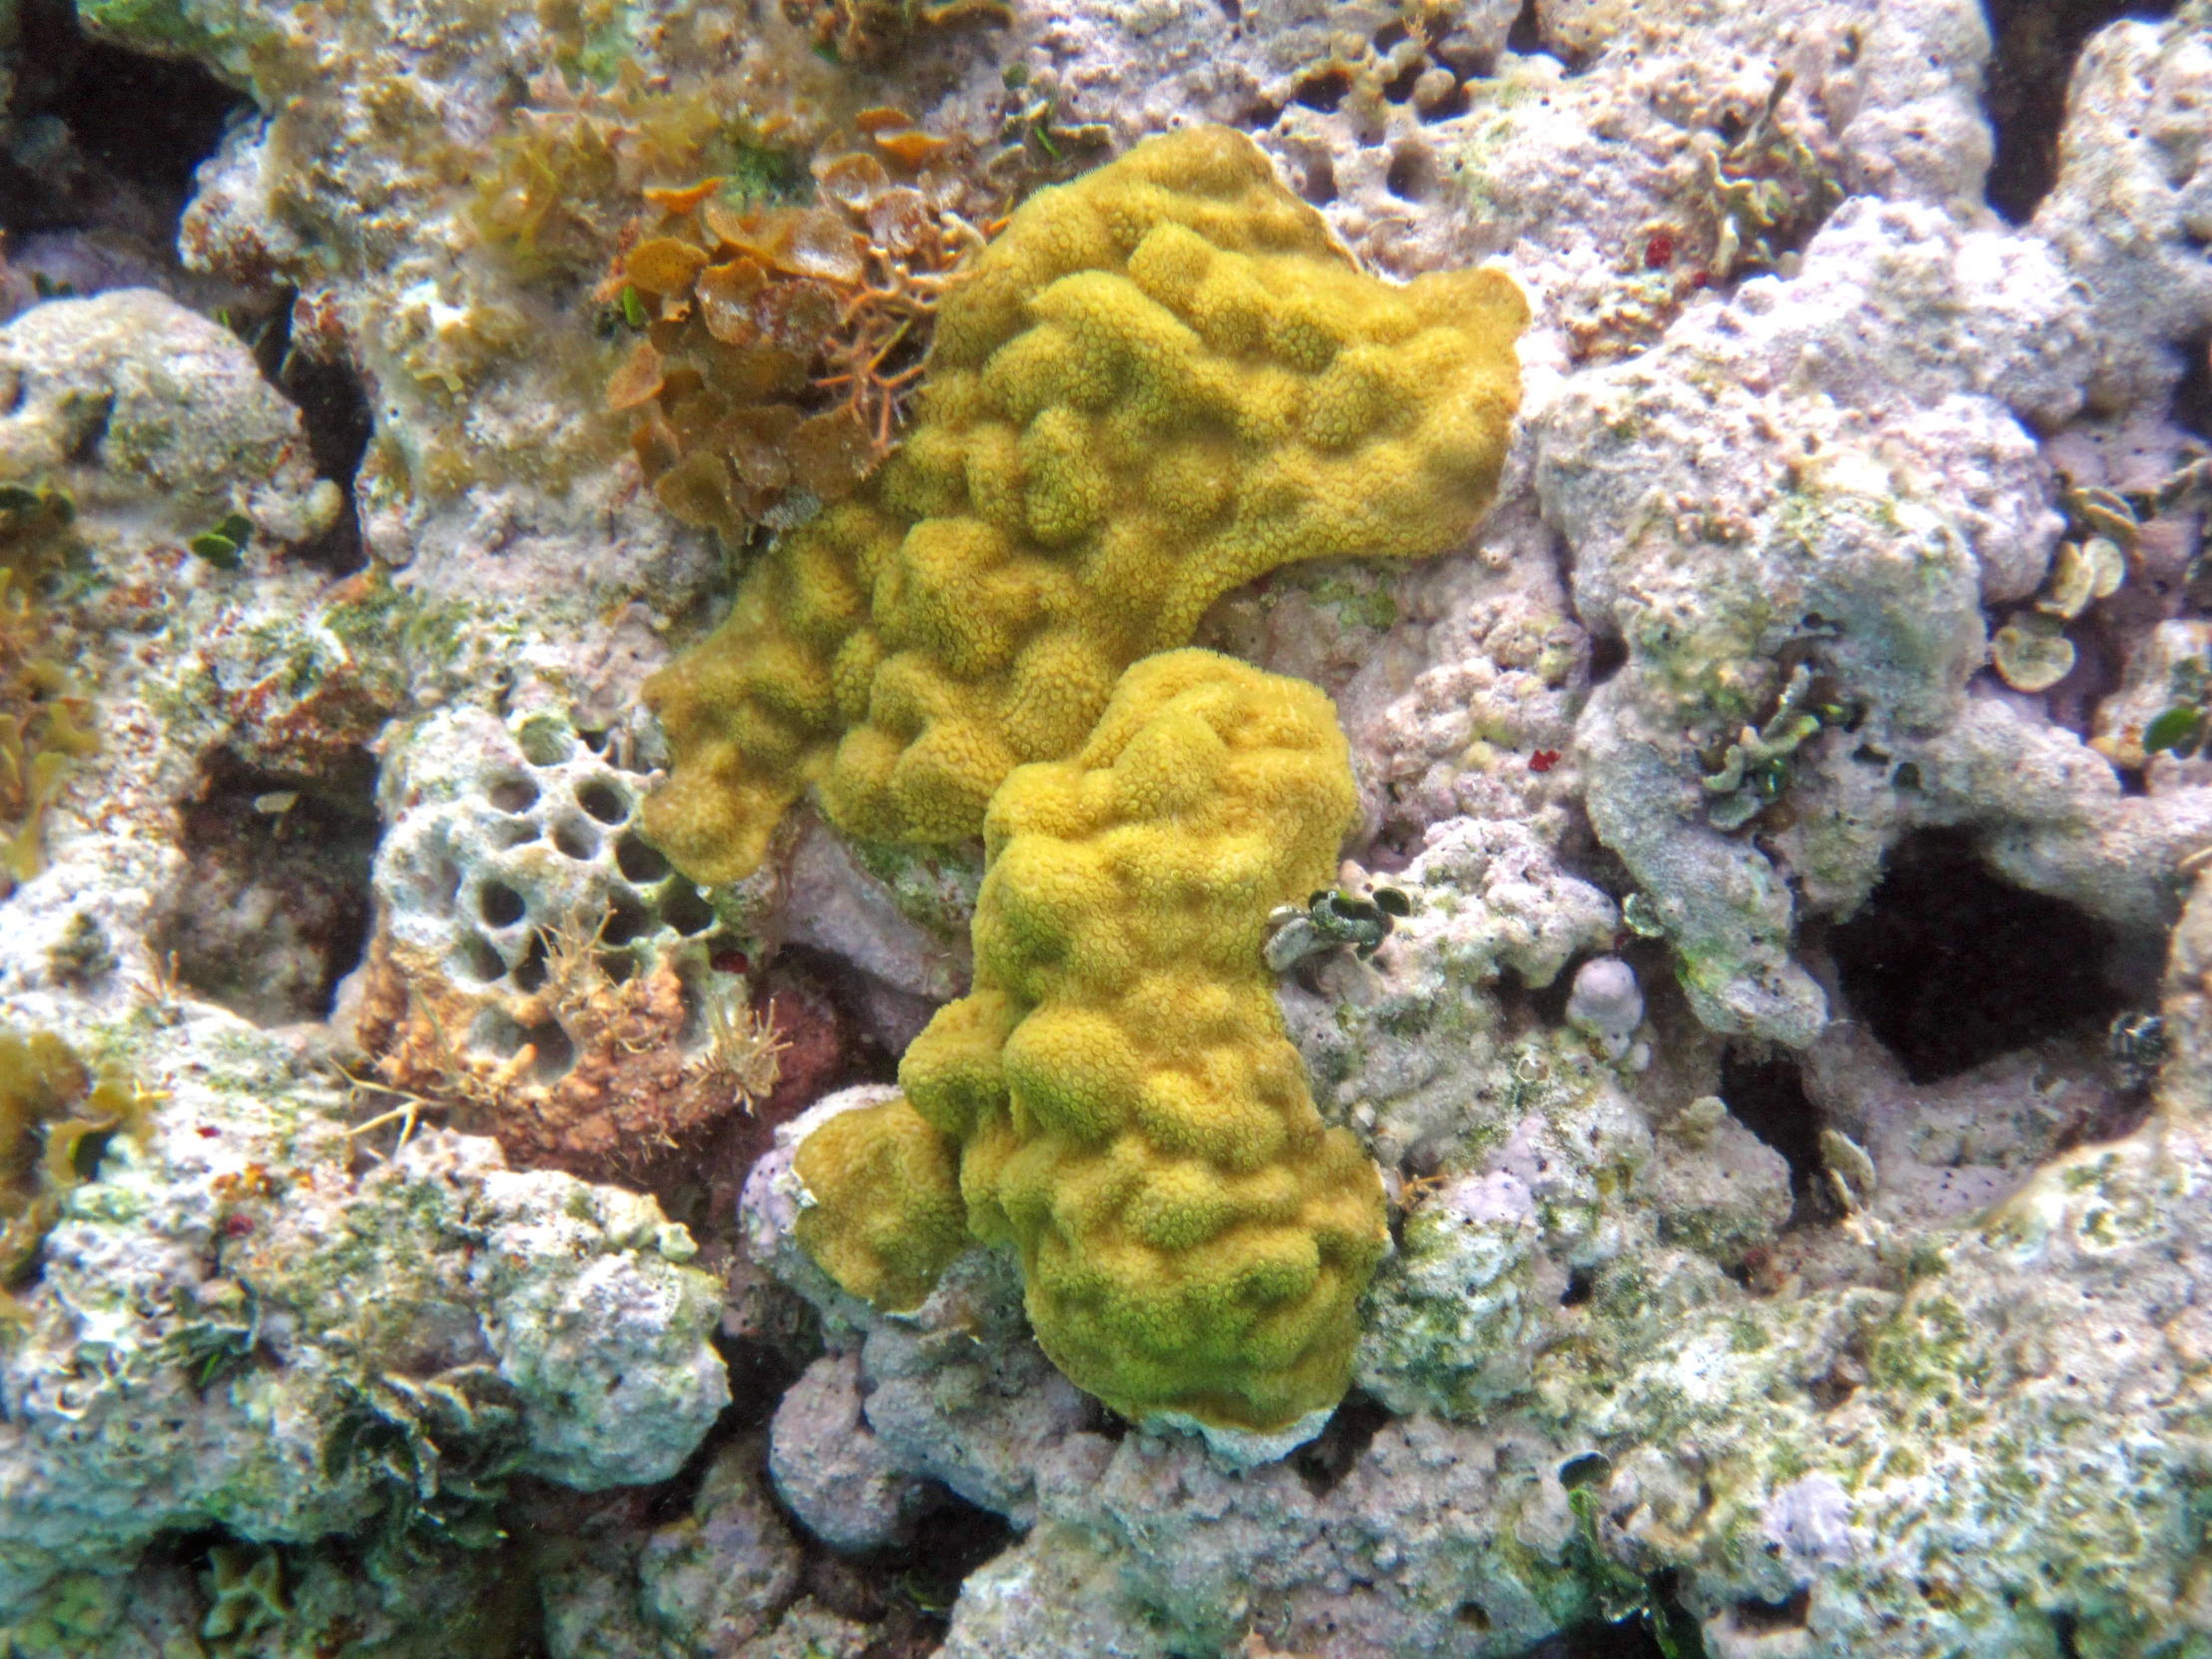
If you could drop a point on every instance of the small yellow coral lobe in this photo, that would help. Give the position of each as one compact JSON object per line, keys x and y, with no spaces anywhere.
{"x":1118,"y":1096}
{"x":1161,"y":381}
{"x":52,"y":1113}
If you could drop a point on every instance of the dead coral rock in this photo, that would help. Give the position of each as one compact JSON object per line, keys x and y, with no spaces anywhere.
{"x":587,"y":1075}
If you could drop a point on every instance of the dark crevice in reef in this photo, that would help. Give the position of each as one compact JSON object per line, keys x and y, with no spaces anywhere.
{"x":1323,"y":1461}
{"x":1766,"y":1095}
{"x":2037,"y":45}
{"x":1630,"y":1639}
{"x":333,"y":407}
{"x":275,"y":908}
{"x":102,"y":139}
{"x":1950,"y":966}
{"x":907,"y":1594}
{"x":2192,"y":410}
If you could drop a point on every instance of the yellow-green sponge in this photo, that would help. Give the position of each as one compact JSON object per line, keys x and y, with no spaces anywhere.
{"x":1128,"y":1110}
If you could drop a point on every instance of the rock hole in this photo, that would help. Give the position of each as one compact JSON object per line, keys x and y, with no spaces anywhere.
{"x":2192,"y":410}
{"x":513,"y":793}
{"x":1412,"y":173}
{"x":1399,"y":87}
{"x":617,"y":966}
{"x":1326,"y":90}
{"x":530,"y":975}
{"x":640,"y":863}
{"x":1608,"y":656}
{"x":1231,"y":9}
{"x":273,"y":908}
{"x":555,"y":1057}
{"x":1322,"y":1462}
{"x":1950,"y":966}
{"x":1527,"y":36}
{"x":576,"y":839}
{"x":1764,"y":1617}
{"x":499,"y":905}
{"x":1471,"y":1615}
{"x":478,"y":960}
{"x":1318,"y":181}
{"x":1582,"y":1283}
{"x":1765,"y":1095}
{"x":103,"y":139}
{"x":2025,"y":92}
{"x":544,"y":743}
{"x":627,"y":921}
{"x":2065,"y":1625}
{"x":509,"y":833}
{"x":604,"y":800}
{"x":683,"y":909}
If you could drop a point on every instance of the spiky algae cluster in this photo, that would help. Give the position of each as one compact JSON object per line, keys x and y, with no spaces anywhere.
{"x":1125,"y":1107}
{"x":1161,"y":381}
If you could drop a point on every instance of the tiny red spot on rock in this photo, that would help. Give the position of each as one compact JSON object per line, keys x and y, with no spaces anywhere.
{"x":209,"y":1131}
{"x":1700,"y":279}
{"x":1658,"y":249}
{"x":236,"y":1226}
{"x":1543,"y":760}
{"x":729,"y":961}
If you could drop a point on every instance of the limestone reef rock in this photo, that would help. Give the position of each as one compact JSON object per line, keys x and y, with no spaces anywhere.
{"x":234,"y":1326}
{"x":1723,"y":489}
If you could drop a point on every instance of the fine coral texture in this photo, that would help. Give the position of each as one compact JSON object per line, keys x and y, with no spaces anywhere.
{"x":1129,"y":1112}
{"x":1162,"y":382}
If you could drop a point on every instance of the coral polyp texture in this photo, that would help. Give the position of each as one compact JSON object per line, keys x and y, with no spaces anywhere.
{"x":1161,"y":381}
{"x":1127,"y":1109}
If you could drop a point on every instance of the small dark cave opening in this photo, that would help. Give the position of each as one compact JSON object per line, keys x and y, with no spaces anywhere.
{"x":1950,"y":966}
{"x":2036,"y":43}
{"x":2192,"y":408}
{"x":1765,"y":1094}
{"x":104,"y":138}
{"x":1323,"y":1461}
{"x":275,"y":906}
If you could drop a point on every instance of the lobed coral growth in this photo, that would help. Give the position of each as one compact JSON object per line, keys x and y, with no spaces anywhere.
{"x":54,"y":1117}
{"x":780,"y":340}
{"x":1126,"y":1108}
{"x":1162,"y":382}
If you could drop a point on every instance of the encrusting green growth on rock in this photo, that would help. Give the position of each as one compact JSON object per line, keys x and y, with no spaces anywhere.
{"x":1118,"y":1093}
{"x":1160,"y":382}
{"x":54,"y":1117}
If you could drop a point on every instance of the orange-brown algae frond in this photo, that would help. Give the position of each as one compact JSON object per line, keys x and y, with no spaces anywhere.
{"x":777,"y":344}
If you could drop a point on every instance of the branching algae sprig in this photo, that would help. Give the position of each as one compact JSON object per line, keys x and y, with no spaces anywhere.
{"x":781,"y":341}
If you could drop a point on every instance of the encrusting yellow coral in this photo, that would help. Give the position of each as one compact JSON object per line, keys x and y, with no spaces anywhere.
{"x":52,"y":1112}
{"x":1119,"y":1094}
{"x":1163,"y":380}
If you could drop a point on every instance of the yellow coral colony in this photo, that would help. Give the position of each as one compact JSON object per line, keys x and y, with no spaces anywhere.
{"x":1119,"y":1092}
{"x":1161,"y":381}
